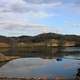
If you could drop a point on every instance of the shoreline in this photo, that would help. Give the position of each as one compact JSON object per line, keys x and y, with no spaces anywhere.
{"x":4,"y":58}
{"x":39,"y":78}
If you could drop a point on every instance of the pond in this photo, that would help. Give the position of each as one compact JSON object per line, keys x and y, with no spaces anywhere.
{"x":63,"y":67}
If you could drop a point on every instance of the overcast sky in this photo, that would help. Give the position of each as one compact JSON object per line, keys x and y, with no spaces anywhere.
{"x":32,"y":17}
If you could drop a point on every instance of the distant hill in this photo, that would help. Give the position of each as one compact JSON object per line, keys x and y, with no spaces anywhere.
{"x":40,"y":38}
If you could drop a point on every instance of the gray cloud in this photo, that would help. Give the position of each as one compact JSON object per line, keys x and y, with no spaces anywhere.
{"x":77,"y":2}
{"x":27,"y":5}
{"x":14,"y":6}
{"x":50,"y":1}
{"x":20,"y":8}
{"x":39,"y":1}
{"x":75,"y":7}
{"x":71,"y":7}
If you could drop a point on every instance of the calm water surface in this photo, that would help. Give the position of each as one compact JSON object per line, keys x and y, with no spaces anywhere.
{"x":42,"y":65}
{"x":38,"y":67}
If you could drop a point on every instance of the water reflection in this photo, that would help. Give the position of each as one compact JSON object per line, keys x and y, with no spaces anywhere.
{"x":37,"y":64}
{"x":38,"y":67}
{"x":53,"y":51}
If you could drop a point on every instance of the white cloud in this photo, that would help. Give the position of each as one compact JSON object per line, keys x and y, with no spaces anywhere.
{"x":19,"y":28}
{"x":8,"y":25}
{"x":22,"y":6}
